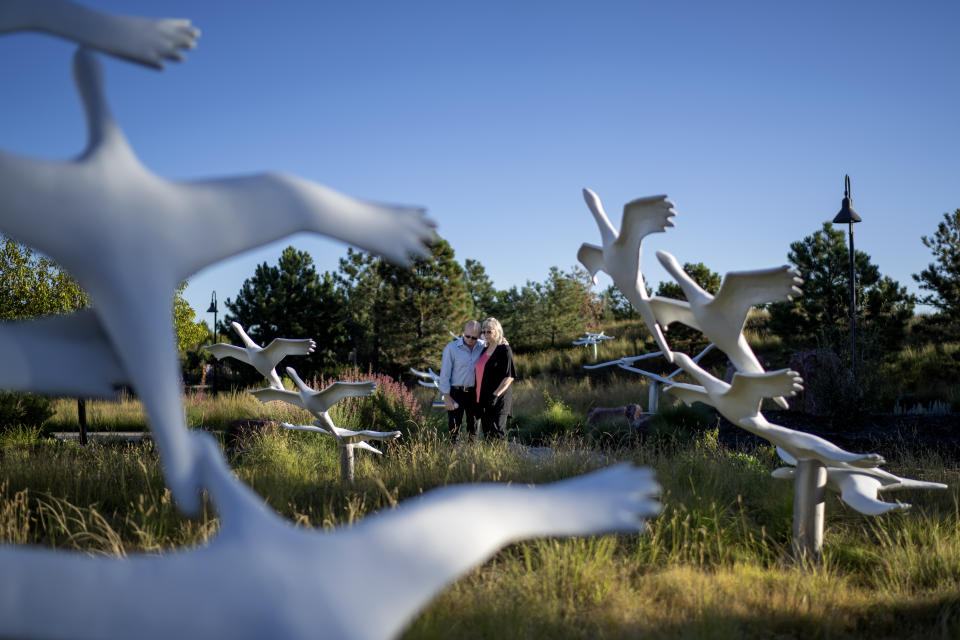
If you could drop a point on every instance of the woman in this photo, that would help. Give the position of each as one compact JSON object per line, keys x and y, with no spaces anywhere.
{"x":495,"y":374}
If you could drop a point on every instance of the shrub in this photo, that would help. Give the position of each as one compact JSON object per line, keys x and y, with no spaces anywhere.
{"x":391,"y":407}
{"x":23,"y":410}
{"x":681,"y":423}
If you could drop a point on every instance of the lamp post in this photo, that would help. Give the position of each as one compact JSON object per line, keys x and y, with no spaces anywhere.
{"x":213,"y":309}
{"x":849,"y":216}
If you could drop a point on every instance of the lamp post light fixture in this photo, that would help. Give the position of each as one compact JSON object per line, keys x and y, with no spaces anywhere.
{"x":213,"y":309}
{"x":849,"y":216}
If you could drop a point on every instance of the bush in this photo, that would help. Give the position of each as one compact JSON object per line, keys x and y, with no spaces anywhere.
{"x":23,"y":410}
{"x":555,"y":419}
{"x":392,"y":407}
{"x":681,"y":423}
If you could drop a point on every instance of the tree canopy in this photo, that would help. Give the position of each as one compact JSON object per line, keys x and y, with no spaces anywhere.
{"x":34,"y":285}
{"x":941,"y":278}
{"x":820,"y":317}
{"x":290,"y":300}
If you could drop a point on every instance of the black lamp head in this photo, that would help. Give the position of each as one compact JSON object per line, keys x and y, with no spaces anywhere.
{"x":847,"y":214}
{"x":213,"y":303}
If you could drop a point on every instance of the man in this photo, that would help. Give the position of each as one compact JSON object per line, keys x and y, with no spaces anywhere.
{"x":457,"y":379}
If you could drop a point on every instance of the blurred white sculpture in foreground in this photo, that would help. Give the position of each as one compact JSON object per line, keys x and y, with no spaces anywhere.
{"x":721,"y":318}
{"x":130,"y":237}
{"x":431,"y":379}
{"x":619,"y":256}
{"x":263,"y":359}
{"x":859,"y":488}
{"x":60,"y":354}
{"x":739,"y":402}
{"x":145,"y":41}
{"x":272,"y":579}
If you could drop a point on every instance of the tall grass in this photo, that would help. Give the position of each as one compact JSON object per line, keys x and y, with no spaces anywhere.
{"x":710,"y":566}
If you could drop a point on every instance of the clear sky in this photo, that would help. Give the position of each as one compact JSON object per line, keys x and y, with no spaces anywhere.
{"x":495,"y":115}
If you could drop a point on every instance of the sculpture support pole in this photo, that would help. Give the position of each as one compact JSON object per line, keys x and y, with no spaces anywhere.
{"x":346,"y":463}
{"x":82,"y":420}
{"x":653,"y":398}
{"x":808,"y":509}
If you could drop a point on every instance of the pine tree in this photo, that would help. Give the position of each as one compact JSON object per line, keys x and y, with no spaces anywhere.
{"x":290,"y":300}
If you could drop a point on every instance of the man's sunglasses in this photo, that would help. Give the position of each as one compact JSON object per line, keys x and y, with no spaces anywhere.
{"x":465,"y":337}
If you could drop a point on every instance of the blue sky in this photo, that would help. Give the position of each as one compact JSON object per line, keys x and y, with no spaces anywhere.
{"x":495,"y":116}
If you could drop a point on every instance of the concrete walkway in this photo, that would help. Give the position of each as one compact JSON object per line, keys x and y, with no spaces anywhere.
{"x":95,"y":436}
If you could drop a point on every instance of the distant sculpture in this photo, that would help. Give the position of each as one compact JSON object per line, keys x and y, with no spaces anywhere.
{"x":316,"y":402}
{"x":619,"y":256}
{"x":859,"y":488}
{"x":347,"y":440}
{"x":129,"y":237}
{"x":272,"y":579}
{"x":431,"y":379}
{"x":721,"y":318}
{"x":146,"y":41}
{"x":654,"y":380}
{"x":739,"y":402}
{"x":263,"y":359}
{"x":592,"y":339}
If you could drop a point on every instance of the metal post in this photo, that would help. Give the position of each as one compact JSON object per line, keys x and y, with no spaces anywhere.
{"x":594,"y":351}
{"x":346,"y":463}
{"x":853,"y":308}
{"x":213,"y":308}
{"x":82,"y":420}
{"x":809,"y":489}
{"x":653,"y":398}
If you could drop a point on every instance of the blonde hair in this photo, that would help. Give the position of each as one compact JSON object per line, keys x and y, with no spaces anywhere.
{"x":494,"y":324}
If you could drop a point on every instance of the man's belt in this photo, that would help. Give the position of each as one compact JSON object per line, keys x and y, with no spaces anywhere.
{"x":461,"y":388}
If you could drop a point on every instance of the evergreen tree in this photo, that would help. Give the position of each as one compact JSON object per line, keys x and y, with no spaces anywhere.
{"x":289,"y":300}
{"x":616,"y":305}
{"x":419,"y":306}
{"x":480,"y":288}
{"x":359,"y":282}
{"x":568,"y":305}
{"x":820,"y":317}
{"x":708,"y":280}
{"x":942,"y":278}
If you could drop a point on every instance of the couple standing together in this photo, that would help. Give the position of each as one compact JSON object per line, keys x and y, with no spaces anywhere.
{"x":475,"y":379}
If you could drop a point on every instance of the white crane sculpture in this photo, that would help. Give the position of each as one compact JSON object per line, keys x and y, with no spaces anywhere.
{"x":592,"y":339}
{"x":60,"y":355}
{"x":859,"y":488}
{"x":260,"y":576}
{"x":129,"y":237}
{"x":654,"y":380}
{"x":146,"y":41}
{"x":263,"y":359}
{"x":854,"y":473}
{"x":721,"y":318}
{"x":431,"y":379}
{"x":619,"y":256}
{"x":319,"y":403}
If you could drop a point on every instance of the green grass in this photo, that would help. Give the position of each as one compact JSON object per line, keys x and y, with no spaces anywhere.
{"x":710,"y":566}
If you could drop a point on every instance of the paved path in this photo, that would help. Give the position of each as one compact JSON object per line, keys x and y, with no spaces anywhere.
{"x":128,"y":436}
